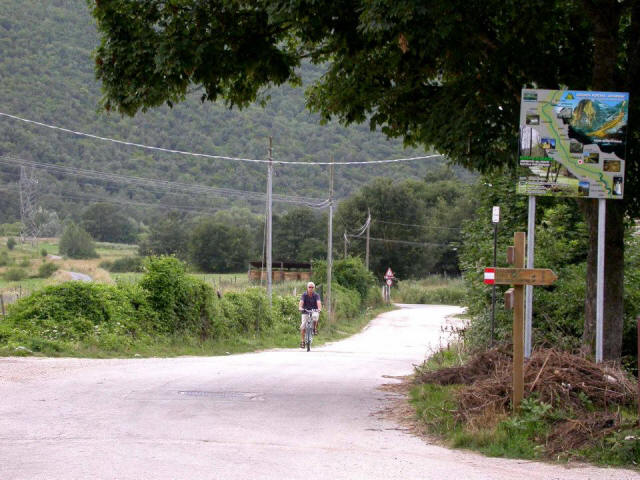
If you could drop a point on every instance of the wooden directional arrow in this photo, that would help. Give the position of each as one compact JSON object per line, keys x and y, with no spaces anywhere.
{"x":524,"y":276}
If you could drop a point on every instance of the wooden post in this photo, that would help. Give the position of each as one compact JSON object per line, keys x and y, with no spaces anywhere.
{"x":519,"y":241}
{"x":514,"y":299}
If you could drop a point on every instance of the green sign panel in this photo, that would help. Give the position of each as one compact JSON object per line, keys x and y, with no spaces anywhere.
{"x":572,"y":143}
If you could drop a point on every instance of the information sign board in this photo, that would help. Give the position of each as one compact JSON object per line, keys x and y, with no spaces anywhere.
{"x":572,"y":143}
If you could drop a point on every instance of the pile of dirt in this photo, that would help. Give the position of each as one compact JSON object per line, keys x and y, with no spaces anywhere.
{"x":588,"y":391}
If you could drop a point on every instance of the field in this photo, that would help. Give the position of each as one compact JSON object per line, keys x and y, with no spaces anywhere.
{"x":25,"y":259}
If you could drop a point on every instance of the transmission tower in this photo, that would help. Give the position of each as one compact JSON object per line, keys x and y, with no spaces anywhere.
{"x":28,"y":185}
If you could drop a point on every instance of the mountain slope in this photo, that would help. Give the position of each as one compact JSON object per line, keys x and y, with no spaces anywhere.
{"x":46,"y":74}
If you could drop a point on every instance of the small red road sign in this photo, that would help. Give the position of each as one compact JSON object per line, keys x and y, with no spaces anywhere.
{"x":389,"y":281}
{"x":389,"y":273}
{"x":489,"y":276}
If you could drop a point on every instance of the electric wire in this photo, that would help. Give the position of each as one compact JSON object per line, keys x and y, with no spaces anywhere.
{"x":164,"y":184}
{"x":420,"y":226}
{"x":217,"y":157}
{"x":407,"y":242}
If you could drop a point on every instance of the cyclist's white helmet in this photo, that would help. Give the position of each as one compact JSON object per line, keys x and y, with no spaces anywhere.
{"x":311,"y":284}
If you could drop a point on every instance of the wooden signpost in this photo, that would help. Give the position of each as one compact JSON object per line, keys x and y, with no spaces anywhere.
{"x":514,"y":299}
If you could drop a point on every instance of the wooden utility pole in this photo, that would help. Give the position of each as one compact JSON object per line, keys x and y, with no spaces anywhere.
{"x":269,"y":215}
{"x":514,"y":298}
{"x":345,"y":244}
{"x":330,"y":243}
{"x":366,"y":255}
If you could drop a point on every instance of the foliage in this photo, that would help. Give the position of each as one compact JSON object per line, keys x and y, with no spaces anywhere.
{"x":561,"y":244}
{"x":11,"y":243}
{"x":78,"y":312}
{"x":11,"y":229}
{"x":219,"y":247}
{"x":77,"y":243}
{"x":5,"y":259}
{"x":14,"y":274}
{"x":46,"y":269}
{"x":350,"y":273}
{"x":49,"y":224}
{"x":107,"y":223}
{"x":124,"y":264}
{"x":298,"y":234}
{"x":425,"y":216}
{"x":166,"y":237}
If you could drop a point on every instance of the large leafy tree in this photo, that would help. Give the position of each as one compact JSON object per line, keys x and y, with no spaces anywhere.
{"x":437,"y":73}
{"x":292,"y":229}
{"x":107,"y":223}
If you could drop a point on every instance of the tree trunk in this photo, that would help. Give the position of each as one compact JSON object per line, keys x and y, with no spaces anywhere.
{"x":605,"y":16}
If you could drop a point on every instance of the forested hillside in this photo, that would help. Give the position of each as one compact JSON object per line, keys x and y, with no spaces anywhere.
{"x":46,"y":74}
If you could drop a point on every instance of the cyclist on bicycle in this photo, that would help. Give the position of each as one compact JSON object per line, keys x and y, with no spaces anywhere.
{"x":310,"y":300}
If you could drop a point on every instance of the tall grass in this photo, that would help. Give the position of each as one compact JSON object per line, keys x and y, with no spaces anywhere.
{"x":434,"y":290}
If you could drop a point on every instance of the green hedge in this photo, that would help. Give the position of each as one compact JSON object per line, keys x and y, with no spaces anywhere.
{"x":78,"y":312}
{"x":165,"y":304}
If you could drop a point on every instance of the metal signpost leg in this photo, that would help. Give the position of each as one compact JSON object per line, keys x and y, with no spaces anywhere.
{"x":602,"y":213}
{"x":528,"y":308}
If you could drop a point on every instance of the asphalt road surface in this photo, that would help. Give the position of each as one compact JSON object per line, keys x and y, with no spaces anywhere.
{"x":279,"y":414}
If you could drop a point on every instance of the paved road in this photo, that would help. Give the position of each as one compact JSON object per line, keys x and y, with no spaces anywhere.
{"x":269,"y":415}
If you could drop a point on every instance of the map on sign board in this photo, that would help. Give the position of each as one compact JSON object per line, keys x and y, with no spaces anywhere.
{"x":572,"y":143}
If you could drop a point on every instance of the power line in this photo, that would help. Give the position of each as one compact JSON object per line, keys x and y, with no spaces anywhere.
{"x":420,"y":226}
{"x":407,"y":242}
{"x":217,"y":157}
{"x":164,"y":184}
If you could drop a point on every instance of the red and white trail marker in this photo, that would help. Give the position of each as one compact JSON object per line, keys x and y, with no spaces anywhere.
{"x":489,"y":276}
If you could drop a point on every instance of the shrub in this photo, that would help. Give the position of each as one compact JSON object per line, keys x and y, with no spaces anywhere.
{"x":4,"y":258}
{"x":45,"y":270}
{"x":77,"y":243}
{"x":14,"y":274}
{"x":79,"y":311}
{"x":11,"y":243}
{"x":123,"y":265}
{"x":24,"y":263}
{"x":349,"y":273}
{"x":183,"y":304}
{"x":44,"y":252}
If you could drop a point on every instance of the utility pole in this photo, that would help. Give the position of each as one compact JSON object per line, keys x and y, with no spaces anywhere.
{"x":366,"y":255}
{"x":269,"y":215}
{"x":330,"y":243}
{"x":345,"y":244}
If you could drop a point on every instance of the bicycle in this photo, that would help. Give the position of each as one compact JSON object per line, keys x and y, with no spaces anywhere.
{"x":308,"y":326}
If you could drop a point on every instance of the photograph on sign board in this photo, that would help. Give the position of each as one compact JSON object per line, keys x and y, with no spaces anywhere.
{"x":548,"y":143}
{"x":583,"y":188}
{"x":591,"y":157}
{"x":617,"y":185}
{"x":533,"y":119}
{"x":611,"y":166}
{"x":575,"y":147}
{"x":569,"y":139}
